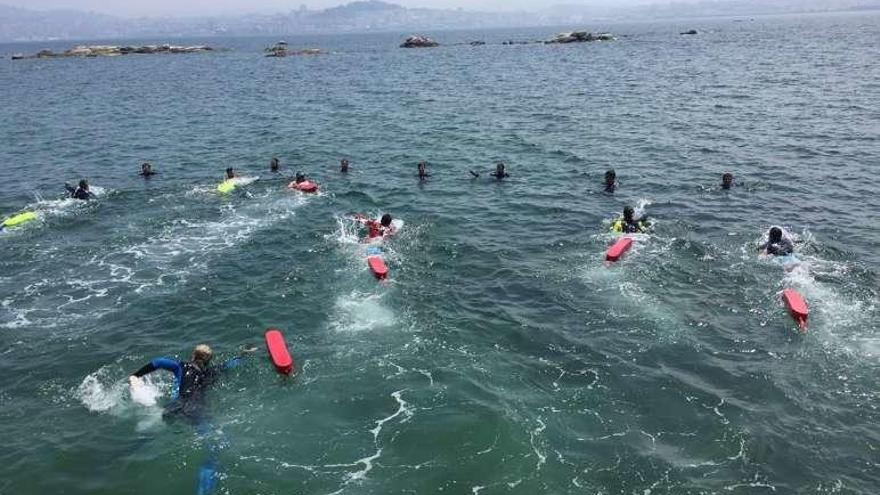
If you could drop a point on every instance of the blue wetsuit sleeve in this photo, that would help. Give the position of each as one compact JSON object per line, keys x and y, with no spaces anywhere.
{"x":231,"y":363}
{"x":159,"y":364}
{"x":173,"y":366}
{"x":166,"y":364}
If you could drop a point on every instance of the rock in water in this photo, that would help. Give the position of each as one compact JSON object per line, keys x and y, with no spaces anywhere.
{"x":419,"y":42}
{"x":113,"y":51}
{"x":580,"y":37}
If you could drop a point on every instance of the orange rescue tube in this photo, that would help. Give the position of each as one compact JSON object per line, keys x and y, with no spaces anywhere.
{"x":797,"y":307}
{"x":377,"y":266}
{"x":278,"y":352}
{"x":619,"y":248}
{"x":305,"y":186}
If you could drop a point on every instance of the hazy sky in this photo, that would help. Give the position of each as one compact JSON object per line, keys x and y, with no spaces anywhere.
{"x":195,"y":7}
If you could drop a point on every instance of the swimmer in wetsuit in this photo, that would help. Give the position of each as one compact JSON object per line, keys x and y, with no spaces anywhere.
{"x":382,"y":228}
{"x":230,"y":173}
{"x":610,"y":181}
{"x":727,"y":181}
{"x":147,"y":170}
{"x":776,"y":244}
{"x":499,"y":172}
{"x":423,"y":171}
{"x":191,"y":380}
{"x":628,"y":224}
{"x":343,"y":166}
{"x":81,"y":192}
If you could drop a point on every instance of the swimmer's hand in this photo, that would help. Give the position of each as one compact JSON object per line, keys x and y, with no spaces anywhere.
{"x":248,"y":349}
{"x":134,"y":381}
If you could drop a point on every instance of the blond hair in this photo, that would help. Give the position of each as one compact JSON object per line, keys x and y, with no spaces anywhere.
{"x":202,"y":353}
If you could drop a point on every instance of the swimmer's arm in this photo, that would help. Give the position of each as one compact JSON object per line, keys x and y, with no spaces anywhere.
{"x":237,"y":360}
{"x":156,"y":364}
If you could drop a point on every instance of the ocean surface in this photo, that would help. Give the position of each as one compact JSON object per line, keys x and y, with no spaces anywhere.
{"x":501,"y":356}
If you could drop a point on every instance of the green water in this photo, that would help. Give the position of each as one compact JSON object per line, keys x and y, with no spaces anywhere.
{"x":501,"y":356}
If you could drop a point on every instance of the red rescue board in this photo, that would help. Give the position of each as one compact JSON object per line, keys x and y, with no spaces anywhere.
{"x":797,"y":307}
{"x":278,"y":352}
{"x":377,"y":266}
{"x":306,"y":186}
{"x":619,"y":248}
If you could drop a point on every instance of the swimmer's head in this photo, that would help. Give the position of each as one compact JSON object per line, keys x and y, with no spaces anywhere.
{"x":202,"y":355}
{"x":727,"y":180}
{"x":610,"y":176}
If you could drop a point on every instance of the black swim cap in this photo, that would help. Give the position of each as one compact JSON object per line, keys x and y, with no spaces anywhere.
{"x":386,"y":220}
{"x":775,"y":234}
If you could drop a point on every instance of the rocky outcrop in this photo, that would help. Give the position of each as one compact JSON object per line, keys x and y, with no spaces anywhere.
{"x":419,"y":42}
{"x":114,"y":51}
{"x":580,"y":37}
{"x":281,"y":50}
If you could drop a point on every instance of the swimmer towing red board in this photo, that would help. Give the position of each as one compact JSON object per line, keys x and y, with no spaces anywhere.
{"x":278,"y":352}
{"x":377,"y":266}
{"x":615,"y":252}
{"x":305,"y":186}
{"x":797,"y":307}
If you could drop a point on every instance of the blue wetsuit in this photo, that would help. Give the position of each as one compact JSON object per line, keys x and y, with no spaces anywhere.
{"x":191,"y":381}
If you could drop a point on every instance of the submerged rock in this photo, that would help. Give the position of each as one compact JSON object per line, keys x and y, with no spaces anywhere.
{"x":419,"y":42}
{"x":113,"y":51}
{"x":581,"y":37}
{"x":281,"y":50}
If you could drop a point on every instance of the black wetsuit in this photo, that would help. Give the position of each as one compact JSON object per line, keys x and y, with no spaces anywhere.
{"x":782,"y":248}
{"x":190,"y":384}
{"x":78,"y":193}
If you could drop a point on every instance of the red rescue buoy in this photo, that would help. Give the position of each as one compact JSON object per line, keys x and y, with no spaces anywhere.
{"x":305,"y":186}
{"x":278,"y":352}
{"x":619,"y":248}
{"x":797,"y":307}
{"x":377,"y":266}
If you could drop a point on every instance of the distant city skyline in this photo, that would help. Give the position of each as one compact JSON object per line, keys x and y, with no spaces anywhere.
{"x":175,"y":8}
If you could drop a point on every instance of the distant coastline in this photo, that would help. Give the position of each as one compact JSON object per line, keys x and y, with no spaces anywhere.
{"x":19,"y":25}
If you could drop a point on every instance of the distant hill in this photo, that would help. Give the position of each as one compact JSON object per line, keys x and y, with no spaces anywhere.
{"x":17,"y":24}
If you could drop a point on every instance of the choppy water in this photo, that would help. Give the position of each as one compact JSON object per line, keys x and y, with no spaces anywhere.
{"x":502,"y":356}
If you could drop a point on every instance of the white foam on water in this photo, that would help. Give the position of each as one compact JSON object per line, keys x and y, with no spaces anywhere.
{"x":533,"y":434}
{"x":103,"y":392}
{"x":367,"y":462}
{"x":97,"y":396}
{"x":184,"y":247}
{"x":144,"y":392}
{"x":358,"y":312}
